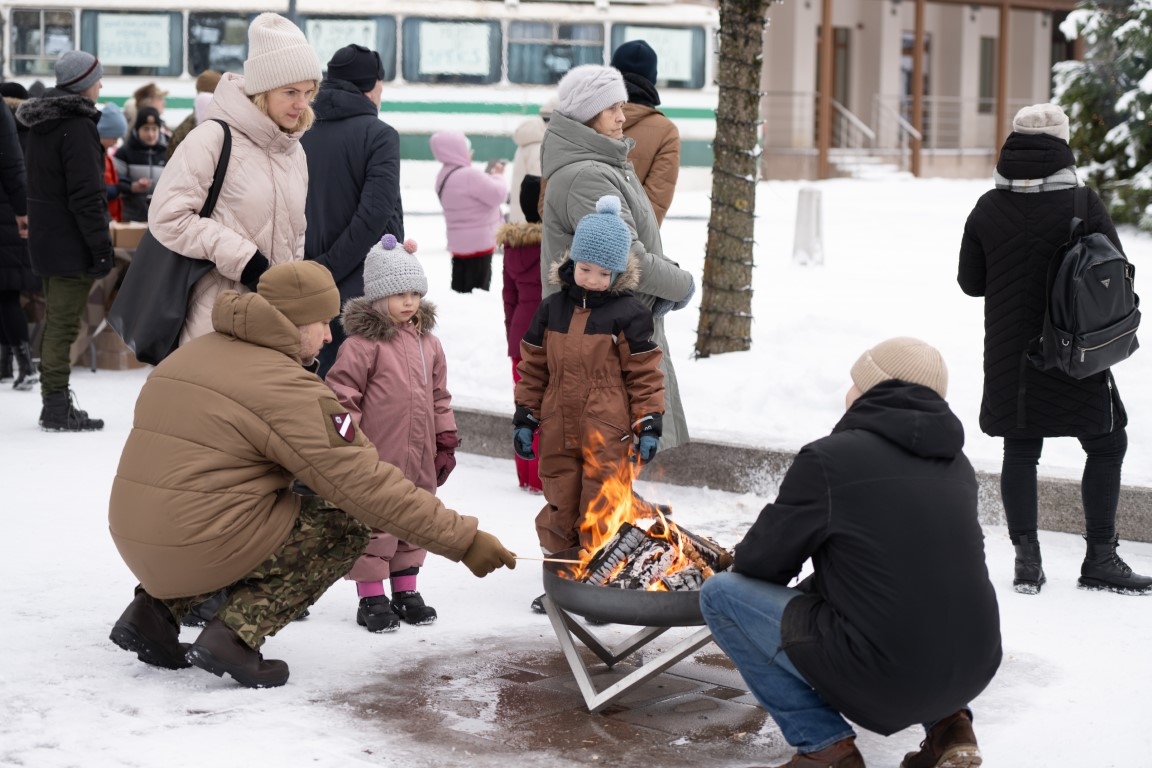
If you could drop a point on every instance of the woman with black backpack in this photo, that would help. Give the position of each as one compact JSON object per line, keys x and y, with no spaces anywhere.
{"x":1010,"y":238}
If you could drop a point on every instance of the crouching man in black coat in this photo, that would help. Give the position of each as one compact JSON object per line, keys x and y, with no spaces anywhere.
{"x":899,"y":622}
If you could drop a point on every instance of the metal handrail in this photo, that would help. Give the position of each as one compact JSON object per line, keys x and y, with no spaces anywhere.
{"x":854,"y":121}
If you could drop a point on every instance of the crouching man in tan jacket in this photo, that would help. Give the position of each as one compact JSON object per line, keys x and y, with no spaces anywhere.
{"x":202,"y":501}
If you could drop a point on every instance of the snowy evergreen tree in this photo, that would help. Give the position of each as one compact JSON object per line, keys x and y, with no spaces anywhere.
{"x":1108,"y":98}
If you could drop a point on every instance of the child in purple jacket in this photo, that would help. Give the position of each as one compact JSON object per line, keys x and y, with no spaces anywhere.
{"x":391,"y":375}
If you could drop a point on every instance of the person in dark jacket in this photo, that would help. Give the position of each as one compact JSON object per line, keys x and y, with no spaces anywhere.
{"x":1010,"y":239}
{"x":353,"y":176}
{"x":899,"y":623}
{"x":68,"y":237}
{"x":15,"y":268}
{"x":139,"y":162}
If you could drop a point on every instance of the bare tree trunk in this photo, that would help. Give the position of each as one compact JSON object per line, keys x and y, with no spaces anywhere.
{"x":726,"y":298}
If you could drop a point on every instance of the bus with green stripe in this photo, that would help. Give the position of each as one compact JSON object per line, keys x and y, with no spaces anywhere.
{"x":480,"y":66}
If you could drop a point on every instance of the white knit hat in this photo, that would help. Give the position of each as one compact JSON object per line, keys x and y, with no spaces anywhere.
{"x":903,"y":358}
{"x":390,"y":269}
{"x":588,"y":90}
{"x":278,"y":55}
{"x":1042,"y":118}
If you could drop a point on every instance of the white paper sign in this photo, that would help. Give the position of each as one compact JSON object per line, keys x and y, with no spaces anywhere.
{"x":330,"y":35}
{"x":133,"y":39}
{"x":454,"y":49}
{"x":673,"y":50}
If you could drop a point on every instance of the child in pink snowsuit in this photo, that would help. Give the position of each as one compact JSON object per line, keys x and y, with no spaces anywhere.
{"x":391,"y":376}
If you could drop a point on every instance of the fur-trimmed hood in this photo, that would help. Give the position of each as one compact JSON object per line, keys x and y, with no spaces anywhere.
{"x":518,"y":235}
{"x":360,"y":319}
{"x":625,"y":283}
{"x":55,"y":105}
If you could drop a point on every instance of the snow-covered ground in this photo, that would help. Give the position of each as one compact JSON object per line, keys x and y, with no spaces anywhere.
{"x":1075,"y":675}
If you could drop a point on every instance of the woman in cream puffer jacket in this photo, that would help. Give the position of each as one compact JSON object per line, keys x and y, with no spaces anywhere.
{"x":259,"y":218}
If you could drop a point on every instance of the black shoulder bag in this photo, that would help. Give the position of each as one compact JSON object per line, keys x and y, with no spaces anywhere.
{"x":152,"y":303}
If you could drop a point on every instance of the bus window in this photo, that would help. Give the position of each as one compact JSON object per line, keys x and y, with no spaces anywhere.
{"x":540,"y":52}
{"x":217,"y":41}
{"x":451,"y":51}
{"x":135,"y":43}
{"x":38,"y":39}
{"x":679,"y":52}
{"x":328,"y":34}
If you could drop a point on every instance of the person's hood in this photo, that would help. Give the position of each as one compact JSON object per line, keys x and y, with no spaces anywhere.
{"x":339,"y":100}
{"x":232,"y":105}
{"x":41,"y":114}
{"x":1033,"y":156}
{"x":450,"y":148}
{"x":909,"y":415}
{"x":249,"y":317}
{"x":520,"y":234}
{"x":567,"y":141}
{"x":640,"y":90}
{"x":360,"y":319}
{"x":531,"y":131}
{"x":563,"y":274}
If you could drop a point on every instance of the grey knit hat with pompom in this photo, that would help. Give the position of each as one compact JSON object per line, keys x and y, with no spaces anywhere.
{"x":391,"y":268}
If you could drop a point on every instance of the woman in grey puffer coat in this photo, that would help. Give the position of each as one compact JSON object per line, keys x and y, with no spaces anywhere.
{"x":584,"y":157}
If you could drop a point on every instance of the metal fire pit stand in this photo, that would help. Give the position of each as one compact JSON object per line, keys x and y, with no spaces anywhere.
{"x":566,"y":627}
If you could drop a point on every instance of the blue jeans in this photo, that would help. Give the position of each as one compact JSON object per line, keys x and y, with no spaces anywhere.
{"x":744,"y":616}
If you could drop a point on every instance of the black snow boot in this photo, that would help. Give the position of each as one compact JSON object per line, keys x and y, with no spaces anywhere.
{"x":1104,"y":570}
{"x":410,"y":607}
{"x":1029,"y":576}
{"x":6,"y":356}
{"x":59,"y":414}
{"x":26,"y":376}
{"x":200,"y":615}
{"x":376,"y":614}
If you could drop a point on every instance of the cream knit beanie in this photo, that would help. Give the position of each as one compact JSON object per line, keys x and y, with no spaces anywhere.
{"x":905,"y":359}
{"x":1042,"y":118}
{"x":278,"y":55}
{"x":588,"y":90}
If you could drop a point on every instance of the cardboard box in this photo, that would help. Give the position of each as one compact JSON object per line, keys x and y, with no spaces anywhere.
{"x":127,"y":234}
{"x":111,"y":354}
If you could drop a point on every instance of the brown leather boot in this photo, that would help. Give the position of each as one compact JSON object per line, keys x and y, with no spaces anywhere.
{"x":950,"y":744}
{"x":148,"y":629}
{"x":842,"y":754}
{"x":218,"y":650}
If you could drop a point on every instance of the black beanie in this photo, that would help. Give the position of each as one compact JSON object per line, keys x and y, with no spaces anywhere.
{"x":146,"y":116}
{"x":636,"y":57}
{"x":530,"y":198}
{"x":358,"y":65}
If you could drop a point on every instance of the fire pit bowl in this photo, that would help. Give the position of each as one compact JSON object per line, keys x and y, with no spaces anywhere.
{"x":620,"y":606}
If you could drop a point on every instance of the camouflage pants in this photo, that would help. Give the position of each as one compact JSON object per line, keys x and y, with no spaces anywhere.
{"x":321,"y":548}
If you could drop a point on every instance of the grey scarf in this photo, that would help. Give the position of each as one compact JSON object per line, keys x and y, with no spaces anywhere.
{"x":1065,"y":178}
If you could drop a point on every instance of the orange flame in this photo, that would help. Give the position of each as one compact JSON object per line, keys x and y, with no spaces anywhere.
{"x":616,"y":504}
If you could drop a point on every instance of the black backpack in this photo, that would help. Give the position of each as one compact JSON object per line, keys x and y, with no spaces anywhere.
{"x":1093,"y":311}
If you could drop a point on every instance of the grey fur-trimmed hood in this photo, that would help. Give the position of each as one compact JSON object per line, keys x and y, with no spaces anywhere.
{"x":56,"y":105}
{"x":359,"y":319}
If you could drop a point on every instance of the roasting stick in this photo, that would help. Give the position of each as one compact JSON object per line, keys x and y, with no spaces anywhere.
{"x":548,"y":559}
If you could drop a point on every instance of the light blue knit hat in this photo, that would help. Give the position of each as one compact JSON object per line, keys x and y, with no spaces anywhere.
{"x":602,"y":238}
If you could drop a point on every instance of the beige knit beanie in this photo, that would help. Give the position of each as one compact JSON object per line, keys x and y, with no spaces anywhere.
{"x":1042,"y":118}
{"x":905,"y":359}
{"x":278,"y":55}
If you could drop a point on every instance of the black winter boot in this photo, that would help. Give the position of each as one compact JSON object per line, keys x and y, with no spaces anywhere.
{"x":6,"y":356}
{"x":1104,"y":570}
{"x":59,"y":414}
{"x":1029,"y":576}
{"x":410,"y":607}
{"x":147,"y":629}
{"x":376,"y":614}
{"x":219,"y":650}
{"x":27,"y":375}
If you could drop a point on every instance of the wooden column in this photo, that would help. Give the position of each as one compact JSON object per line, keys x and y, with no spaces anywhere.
{"x":824,"y":98}
{"x":1002,"y":129}
{"x":918,"y":85}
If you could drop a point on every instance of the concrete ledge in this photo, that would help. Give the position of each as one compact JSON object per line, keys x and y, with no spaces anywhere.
{"x":740,"y":469}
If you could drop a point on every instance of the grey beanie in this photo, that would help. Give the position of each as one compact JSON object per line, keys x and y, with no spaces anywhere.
{"x":112,"y":124}
{"x":905,"y":359}
{"x":1042,"y":118}
{"x":588,"y":90}
{"x":77,"y":71}
{"x":602,"y":238}
{"x":390,"y":269}
{"x":278,"y":55}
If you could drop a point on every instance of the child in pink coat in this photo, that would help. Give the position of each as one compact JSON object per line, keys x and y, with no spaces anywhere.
{"x":471,"y":200}
{"x":391,"y":376}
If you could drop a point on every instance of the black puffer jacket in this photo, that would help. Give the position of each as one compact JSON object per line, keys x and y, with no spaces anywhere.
{"x":1009,"y":240}
{"x":900,"y":623}
{"x":136,"y":160}
{"x":15,"y":268}
{"x":353,"y":184}
{"x":67,"y":201}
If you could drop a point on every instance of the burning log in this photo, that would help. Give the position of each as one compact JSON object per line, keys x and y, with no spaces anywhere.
{"x":637,"y":559}
{"x":714,"y":556}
